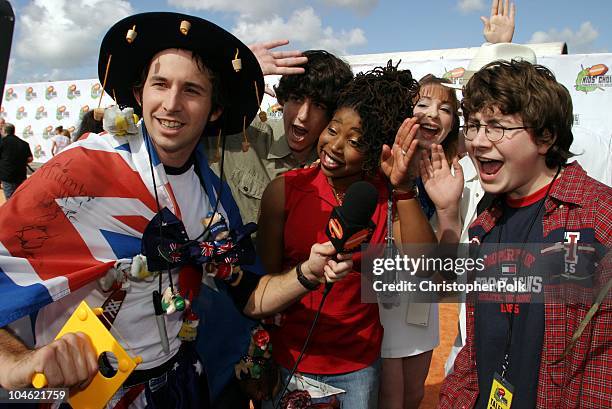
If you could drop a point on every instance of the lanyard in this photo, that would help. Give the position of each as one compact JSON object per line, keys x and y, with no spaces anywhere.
{"x":510,"y":317}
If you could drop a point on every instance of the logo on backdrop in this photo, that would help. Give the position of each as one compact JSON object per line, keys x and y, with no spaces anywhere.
{"x":96,"y":90}
{"x":47,"y":132}
{"x":38,"y":152}
{"x":592,"y":78}
{"x":73,"y":92}
{"x":275,"y":111}
{"x":83,"y":111}
{"x":50,"y":92}
{"x":2,"y":112}
{"x":27,"y":132}
{"x":41,"y":112}
{"x":30,"y":94}
{"x":62,"y":113}
{"x":21,"y":113}
{"x":10,"y":94}
{"x":455,"y":75}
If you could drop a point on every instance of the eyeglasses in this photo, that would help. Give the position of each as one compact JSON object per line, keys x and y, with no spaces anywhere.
{"x":493,"y":132}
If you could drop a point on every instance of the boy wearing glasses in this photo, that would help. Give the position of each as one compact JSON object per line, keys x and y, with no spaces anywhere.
{"x":534,"y":354}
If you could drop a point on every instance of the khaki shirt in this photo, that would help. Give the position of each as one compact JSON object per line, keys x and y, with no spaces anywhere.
{"x":248,"y":173}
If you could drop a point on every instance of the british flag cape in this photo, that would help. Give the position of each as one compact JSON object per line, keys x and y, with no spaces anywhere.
{"x":85,"y":210}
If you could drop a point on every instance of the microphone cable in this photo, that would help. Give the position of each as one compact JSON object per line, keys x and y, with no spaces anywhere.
{"x":303,"y":350}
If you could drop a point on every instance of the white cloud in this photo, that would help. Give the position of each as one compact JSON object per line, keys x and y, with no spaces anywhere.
{"x":22,"y":71}
{"x":304,"y":27}
{"x":274,"y":19}
{"x":471,"y":5}
{"x":580,"y":41}
{"x":262,"y":9}
{"x":251,"y":8}
{"x":360,"y":6}
{"x":56,"y":36}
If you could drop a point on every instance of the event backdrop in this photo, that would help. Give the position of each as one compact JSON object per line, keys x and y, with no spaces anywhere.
{"x":37,"y":108}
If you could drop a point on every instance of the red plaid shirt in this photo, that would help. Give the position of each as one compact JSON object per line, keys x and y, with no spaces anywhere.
{"x":583,"y":379}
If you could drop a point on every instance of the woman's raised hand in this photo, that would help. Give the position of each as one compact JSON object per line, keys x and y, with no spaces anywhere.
{"x":443,"y":187}
{"x":397,"y":161}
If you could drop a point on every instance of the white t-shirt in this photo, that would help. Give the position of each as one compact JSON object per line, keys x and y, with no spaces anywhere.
{"x":136,"y":321}
{"x":61,"y":141}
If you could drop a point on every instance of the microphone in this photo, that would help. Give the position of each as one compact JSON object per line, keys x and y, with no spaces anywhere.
{"x":350,"y":225}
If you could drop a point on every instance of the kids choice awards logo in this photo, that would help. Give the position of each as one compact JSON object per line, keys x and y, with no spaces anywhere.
{"x":27,"y":132}
{"x":10,"y":94}
{"x":455,"y":75}
{"x":61,"y":113}
{"x":38,"y":152}
{"x":83,"y":111}
{"x":47,"y":132}
{"x":275,"y":111}
{"x":73,"y":92}
{"x":593,"y":78}
{"x":50,"y":92}
{"x":2,"y":113}
{"x":96,"y":90}
{"x":41,"y":112}
{"x":21,"y":113}
{"x":30,"y":94}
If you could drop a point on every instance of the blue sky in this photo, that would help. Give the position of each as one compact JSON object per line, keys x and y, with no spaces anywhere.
{"x":59,"y":39}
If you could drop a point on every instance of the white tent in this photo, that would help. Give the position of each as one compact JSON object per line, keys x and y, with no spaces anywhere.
{"x":367,"y":60}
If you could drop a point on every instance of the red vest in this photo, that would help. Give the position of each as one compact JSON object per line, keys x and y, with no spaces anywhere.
{"x":348,"y":335}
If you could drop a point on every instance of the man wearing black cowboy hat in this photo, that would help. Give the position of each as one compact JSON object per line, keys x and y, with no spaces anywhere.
{"x":121,"y":220}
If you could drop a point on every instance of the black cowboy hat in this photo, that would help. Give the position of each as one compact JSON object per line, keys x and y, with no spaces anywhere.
{"x":242,"y":90}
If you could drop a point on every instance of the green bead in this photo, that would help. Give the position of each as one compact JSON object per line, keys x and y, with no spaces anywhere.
{"x":179,"y":303}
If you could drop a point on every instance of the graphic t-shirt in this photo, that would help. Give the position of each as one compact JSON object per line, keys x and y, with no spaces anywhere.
{"x":508,"y":256}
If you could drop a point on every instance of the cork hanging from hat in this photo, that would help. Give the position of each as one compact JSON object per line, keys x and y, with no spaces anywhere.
{"x":99,"y":111}
{"x":237,"y":62}
{"x":185,"y":27}
{"x":131,"y":34}
{"x":245,"y":143}
{"x":262,"y":117}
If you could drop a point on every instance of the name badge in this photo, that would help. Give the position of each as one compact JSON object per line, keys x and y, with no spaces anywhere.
{"x":501,"y":393}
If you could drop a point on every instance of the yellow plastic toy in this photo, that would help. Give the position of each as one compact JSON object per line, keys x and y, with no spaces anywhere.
{"x":101,"y":389}
{"x":121,"y":125}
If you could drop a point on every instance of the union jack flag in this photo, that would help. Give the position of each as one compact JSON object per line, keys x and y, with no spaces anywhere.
{"x":224,"y":247}
{"x":86,"y":209}
{"x":207,"y":248}
{"x":75,"y":217}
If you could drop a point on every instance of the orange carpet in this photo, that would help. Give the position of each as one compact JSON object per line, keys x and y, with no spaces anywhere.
{"x":449,"y":314}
